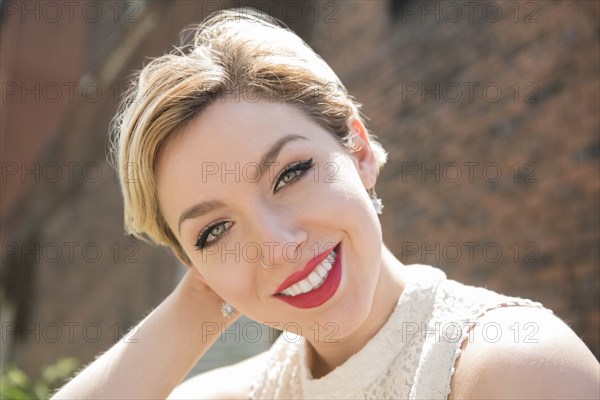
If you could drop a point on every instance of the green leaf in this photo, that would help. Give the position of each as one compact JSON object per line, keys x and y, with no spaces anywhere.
{"x":41,"y":391}
{"x":14,"y":393}
{"x":60,"y":370}
{"x":17,"y":377}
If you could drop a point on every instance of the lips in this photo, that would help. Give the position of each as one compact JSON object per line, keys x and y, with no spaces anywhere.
{"x":316,"y":283}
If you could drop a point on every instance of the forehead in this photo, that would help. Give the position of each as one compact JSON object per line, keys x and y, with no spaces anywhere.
{"x":239,"y":127}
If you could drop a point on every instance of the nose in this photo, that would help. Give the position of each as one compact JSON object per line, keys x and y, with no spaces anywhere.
{"x":280,"y":237}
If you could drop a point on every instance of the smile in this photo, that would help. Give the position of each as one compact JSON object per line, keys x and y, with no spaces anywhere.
{"x":314,"y":284}
{"x":314,"y":280}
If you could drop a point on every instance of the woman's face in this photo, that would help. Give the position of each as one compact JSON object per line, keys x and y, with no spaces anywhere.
{"x":309,"y":198}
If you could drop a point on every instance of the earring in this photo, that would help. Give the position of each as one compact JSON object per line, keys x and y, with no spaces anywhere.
{"x":377,"y":204}
{"x":227,"y":310}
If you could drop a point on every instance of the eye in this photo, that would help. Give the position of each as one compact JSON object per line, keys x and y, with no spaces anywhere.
{"x":293,"y":173}
{"x":212,"y":234}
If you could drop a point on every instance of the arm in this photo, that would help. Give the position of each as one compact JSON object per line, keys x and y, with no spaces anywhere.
{"x":550,"y":363}
{"x":231,"y":382}
{"x":168,"y":342}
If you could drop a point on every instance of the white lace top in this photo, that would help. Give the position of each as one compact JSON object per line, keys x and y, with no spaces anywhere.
{"x":411,"y":357}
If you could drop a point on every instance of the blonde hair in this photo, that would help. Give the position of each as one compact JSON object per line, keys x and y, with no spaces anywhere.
{"x":234,"y":52}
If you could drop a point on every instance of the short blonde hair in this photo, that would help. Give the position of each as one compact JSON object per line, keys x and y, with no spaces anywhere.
{"x":236,"y":52}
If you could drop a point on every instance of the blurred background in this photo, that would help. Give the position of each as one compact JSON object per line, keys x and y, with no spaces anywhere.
{"x":489,"y":111}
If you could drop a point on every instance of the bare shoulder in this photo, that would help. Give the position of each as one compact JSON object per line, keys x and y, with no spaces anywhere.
{"x":231,"y":382}
{"x":524,"y":352}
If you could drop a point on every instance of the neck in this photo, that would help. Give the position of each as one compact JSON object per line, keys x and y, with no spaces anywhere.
{"x":325,"y":357}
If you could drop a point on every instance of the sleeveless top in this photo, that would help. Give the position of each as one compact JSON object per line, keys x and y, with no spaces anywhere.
{"x":411,"y":357}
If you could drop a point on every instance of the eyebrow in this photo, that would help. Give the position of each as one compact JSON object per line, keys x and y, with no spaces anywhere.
{"x":266,"y":161}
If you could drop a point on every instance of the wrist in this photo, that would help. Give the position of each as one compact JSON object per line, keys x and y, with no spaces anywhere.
{"x":199,"y":304}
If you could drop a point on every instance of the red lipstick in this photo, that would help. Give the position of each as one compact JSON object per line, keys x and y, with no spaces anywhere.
{"x":304,"y":272}
{"x":317,"y":296}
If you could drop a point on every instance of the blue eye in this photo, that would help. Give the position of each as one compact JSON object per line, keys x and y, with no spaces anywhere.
{"x":293,"y":173}
{"x":212,"y":234}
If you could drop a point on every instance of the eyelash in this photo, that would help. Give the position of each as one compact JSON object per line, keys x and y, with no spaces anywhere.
{"x":298,"y":170}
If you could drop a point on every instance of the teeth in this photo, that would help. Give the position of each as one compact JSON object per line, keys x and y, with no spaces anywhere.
{"x":305,"y":285}
{"x":328,"y":263}
{"x":321,"y":271}
{"x":295,"y":289}
{"x":314,"y":280}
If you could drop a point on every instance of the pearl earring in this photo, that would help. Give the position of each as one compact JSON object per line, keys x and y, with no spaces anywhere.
{"x":377,"y":204}
{"x":227,"y":310}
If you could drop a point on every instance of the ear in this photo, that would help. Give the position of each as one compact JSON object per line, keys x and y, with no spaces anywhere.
{"x":362,"y":156}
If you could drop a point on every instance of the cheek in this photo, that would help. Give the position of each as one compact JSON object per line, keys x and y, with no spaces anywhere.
{"x":232,"y":280}
{"x":348,"y":195}
{"x":352,"y":204}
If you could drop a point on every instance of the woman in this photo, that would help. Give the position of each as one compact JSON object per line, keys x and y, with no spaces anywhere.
{"x":246,"y":156}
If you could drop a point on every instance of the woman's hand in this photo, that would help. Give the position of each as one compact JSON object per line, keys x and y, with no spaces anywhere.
{"x":165,"y":347}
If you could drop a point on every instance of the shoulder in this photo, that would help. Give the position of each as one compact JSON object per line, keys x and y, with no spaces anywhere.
{"x":231,"y":382}
{"x":525,"y":352}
